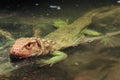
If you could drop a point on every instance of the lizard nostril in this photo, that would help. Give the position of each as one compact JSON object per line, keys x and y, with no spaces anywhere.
{"x":15,"y":50}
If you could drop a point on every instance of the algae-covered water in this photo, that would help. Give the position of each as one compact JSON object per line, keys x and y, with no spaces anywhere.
{"x":88,"y":61}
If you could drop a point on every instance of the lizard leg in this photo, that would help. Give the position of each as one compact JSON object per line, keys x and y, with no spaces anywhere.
{"x":91,"y":32}
{"x":57,"y":57}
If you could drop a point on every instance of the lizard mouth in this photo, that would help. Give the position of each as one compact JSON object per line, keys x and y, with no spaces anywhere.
{"x":14,"y":58}
{"x":20,"y":54}
{"x":19,"y":57}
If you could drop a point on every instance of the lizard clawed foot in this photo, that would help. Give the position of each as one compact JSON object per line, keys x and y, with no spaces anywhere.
{"x":57,"y":57}
{"x":109,"y":41}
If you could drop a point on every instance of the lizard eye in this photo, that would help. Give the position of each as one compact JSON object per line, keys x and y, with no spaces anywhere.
{"x":29,"y":46}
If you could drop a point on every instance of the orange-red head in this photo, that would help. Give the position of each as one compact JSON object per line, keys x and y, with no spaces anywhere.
{"x":25,"y":47}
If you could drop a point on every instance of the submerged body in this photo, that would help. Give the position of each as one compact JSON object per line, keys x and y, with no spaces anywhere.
{"x":63,"y":37}
{"x":28,"y":47}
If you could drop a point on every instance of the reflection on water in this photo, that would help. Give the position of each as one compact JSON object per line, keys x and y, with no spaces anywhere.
{"x":87,"y":61}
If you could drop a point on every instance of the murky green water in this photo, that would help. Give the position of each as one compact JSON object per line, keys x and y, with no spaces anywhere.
{"x":88,"y":61}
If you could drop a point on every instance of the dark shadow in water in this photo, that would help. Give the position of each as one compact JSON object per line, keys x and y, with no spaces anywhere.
{"x":40,"y":73}
{"x":113,"y":52}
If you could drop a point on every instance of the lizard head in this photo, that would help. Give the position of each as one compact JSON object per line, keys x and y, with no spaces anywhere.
{"x":25,"y":47}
